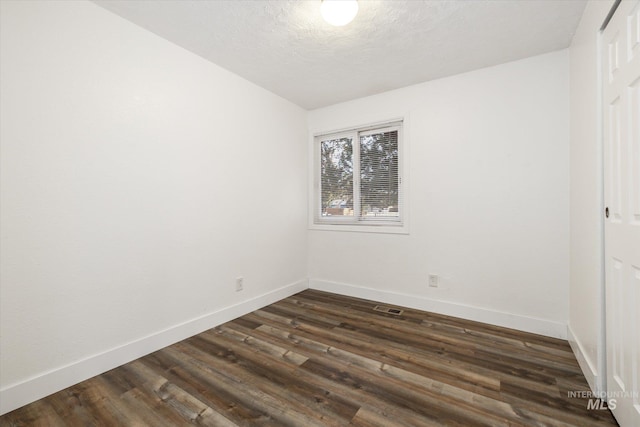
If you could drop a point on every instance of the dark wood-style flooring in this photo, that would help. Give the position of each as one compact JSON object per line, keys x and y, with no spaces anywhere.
{"x":319,"y":359}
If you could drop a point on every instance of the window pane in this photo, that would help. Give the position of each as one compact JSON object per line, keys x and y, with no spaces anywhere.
{"x":336,"y":174}
{"x":379,"y":175}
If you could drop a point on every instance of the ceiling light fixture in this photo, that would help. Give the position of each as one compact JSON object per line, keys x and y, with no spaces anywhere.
{"x":339,"y":12}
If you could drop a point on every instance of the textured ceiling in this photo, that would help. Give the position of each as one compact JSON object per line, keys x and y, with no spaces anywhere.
{"x":286,"y":47}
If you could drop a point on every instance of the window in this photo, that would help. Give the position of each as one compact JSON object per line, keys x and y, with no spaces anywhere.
{"x":358,"y":177}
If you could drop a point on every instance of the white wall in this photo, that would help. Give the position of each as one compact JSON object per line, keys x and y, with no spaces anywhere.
{"x":489,"y":199}
{"x":138,"y":180}
{"x":586,"y":296}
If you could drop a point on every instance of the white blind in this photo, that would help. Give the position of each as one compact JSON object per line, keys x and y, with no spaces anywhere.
{"x":379,"y":178}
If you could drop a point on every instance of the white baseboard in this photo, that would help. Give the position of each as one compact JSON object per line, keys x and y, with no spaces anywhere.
{"x":17,"y":395}
{"x":586,"y":365}
{"x":509,"y":320}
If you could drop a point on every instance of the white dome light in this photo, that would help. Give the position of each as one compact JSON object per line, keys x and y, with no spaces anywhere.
{"x":339,"y":12}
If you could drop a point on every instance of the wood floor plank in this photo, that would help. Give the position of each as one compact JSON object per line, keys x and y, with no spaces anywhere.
{"x":386,"y":354}
{"x":71,"y":408}
{"x":456,"y":348}
{"x":250,"y":389}
{"x":38,"y":414}
{"x":319,"y":347}
{"x":252,"y":367}
{"x":473,"y":374}
{"x":439,"y":334}
{"x":151,"y":406}
{"x":365,"y":417}
{"x":418,"y":316}
{"x":207,"y":389}
{"x":352,"y":394}
{"x":438,"y":396}
{"x":321,"y":359}
{"x":499,"y":364}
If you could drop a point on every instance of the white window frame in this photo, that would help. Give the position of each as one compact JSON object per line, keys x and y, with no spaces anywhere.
{"x":398,"y":225}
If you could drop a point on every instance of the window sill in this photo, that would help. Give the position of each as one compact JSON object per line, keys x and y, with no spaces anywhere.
{"x":386,"y":228}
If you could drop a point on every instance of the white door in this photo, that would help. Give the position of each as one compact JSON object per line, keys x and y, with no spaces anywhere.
{"x":621,"y":108}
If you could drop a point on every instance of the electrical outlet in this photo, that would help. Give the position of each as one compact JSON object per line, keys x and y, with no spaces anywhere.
{"x":239,"y":284}
{"x":434,"y":281}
